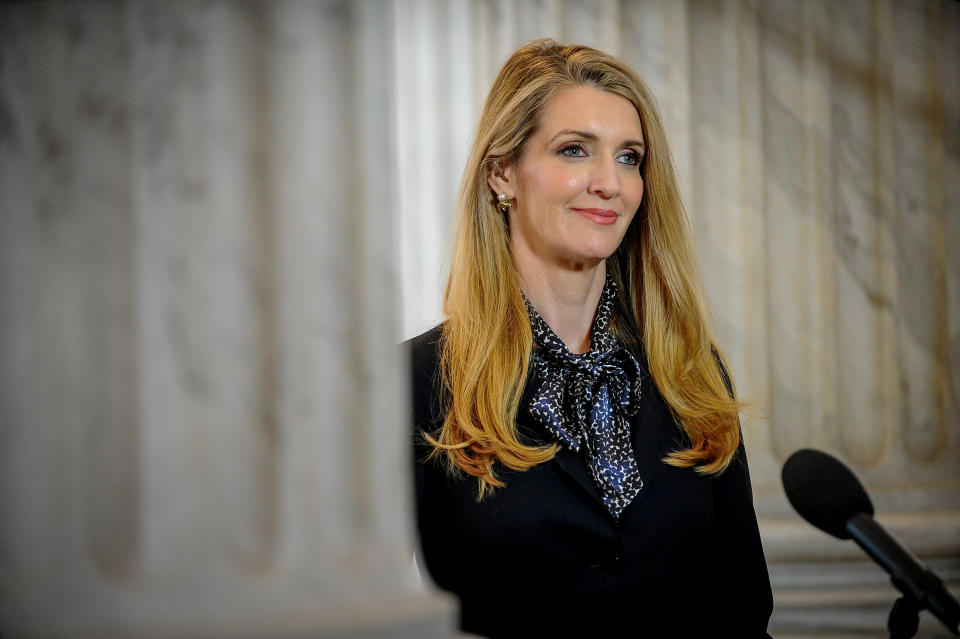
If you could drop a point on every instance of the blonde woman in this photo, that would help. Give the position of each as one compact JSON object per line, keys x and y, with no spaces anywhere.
{"x":578,"y":459}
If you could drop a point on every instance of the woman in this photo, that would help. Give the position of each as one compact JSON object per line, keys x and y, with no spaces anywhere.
{"x":577,"y":448}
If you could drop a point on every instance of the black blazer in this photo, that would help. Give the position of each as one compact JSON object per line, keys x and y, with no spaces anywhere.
{"x":543,"y":557}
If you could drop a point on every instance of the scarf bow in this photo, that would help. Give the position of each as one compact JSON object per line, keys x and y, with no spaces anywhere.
{"x":588,"y":398}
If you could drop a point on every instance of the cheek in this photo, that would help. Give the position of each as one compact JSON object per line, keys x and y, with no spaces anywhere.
{"x":635,"y":193}
{"x":632,"y":196}
{"x":573,"y":182}
{"x":552,"y":183}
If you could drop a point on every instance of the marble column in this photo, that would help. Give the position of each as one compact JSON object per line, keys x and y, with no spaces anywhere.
{"x":202,"y":422}
{"x":860,"y":297}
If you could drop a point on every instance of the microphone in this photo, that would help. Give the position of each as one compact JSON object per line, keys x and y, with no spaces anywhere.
{"x":828,"y":495}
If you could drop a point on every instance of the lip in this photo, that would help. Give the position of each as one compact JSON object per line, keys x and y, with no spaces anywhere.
{"x":599,"y":216}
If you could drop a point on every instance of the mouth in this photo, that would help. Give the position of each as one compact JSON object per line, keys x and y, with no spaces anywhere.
{"x":599,"y":216}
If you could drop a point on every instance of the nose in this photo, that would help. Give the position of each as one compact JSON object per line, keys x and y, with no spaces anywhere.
{"x":604,"y":180}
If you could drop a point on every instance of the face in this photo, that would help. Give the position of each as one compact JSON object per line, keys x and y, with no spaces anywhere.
{"x":577,"y":184}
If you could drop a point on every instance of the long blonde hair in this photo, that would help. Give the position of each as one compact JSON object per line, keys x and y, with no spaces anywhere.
{"x":486,"y":340}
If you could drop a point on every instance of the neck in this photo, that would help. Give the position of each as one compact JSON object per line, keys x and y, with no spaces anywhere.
{"x":567,"y":300}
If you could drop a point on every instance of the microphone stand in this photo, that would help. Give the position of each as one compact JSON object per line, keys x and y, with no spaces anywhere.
{"x":904,"y":618}
{"x":914,"y":580}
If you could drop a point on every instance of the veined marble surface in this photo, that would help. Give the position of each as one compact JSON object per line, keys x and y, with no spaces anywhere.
{"x":203,"y":430}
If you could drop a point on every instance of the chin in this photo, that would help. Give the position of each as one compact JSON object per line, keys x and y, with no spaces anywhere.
{"x":589,"y":258}
{"x":599,"y":251}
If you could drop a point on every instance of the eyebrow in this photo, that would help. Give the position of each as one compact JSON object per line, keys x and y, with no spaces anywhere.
{"x":592,"y":137}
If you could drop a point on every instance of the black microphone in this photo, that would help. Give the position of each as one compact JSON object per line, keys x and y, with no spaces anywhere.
{"x":828,"y":495}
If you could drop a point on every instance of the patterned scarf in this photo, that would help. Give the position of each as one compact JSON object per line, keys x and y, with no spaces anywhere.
{"x":588,"y":399}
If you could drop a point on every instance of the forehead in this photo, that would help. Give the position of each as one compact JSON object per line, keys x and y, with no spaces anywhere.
{"x":588,"y":108}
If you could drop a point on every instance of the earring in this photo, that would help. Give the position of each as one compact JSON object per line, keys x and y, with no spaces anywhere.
{"x":503,"y":202}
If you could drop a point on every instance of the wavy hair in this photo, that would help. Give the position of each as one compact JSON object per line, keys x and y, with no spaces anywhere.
{"x":486,"y":341}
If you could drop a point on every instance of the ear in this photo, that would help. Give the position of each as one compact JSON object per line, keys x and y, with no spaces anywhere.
{"x":502,"y":179}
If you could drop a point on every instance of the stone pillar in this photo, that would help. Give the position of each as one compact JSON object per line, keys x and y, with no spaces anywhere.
{"x":202,"y":422}
{"x":861,"y":307}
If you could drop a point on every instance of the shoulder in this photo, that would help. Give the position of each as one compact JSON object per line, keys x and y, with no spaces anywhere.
{"x":424,"y":348}
{"x":724,"y":373}
{"x":424,"y":351}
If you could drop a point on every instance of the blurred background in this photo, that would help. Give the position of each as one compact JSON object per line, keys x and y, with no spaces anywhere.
{"x":217,"y":219}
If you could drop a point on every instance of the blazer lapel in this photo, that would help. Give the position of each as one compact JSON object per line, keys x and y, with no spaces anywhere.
{"x":569,"y":463}
{"x":574,"y":466}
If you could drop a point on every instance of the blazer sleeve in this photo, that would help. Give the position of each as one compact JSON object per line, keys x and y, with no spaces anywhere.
{"x":743,"y":591}
{"x":739,"y":545}
{"x":424,"y":401}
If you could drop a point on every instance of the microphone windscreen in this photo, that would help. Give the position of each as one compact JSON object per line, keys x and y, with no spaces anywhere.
{"x":824,"y":491}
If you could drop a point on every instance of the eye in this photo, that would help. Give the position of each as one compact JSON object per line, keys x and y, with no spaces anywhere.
{"x":630,"y":158}
{"x":573,"y":151}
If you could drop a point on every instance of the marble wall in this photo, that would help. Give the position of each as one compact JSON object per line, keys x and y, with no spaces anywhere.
{"x":201,"y":411}
{"x":818,"y":147}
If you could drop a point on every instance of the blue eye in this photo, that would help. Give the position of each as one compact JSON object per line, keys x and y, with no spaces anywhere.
{"x":631,"y":158}
{"x":573,"y":151}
